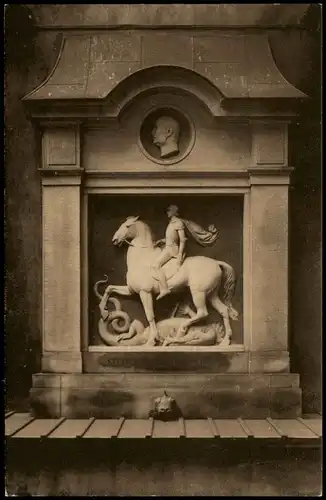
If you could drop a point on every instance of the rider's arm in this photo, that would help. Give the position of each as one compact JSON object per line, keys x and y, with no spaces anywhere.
{"x":182,"y":242}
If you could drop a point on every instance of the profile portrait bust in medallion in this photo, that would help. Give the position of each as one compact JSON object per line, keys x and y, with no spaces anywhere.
{"x":166,"y":136}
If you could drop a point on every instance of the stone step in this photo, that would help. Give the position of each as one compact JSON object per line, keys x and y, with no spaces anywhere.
{"x":24,"y":426}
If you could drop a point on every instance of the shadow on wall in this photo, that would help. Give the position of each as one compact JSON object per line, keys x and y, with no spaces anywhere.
{"x":20,"y":34}
{"x":306,"y":45}
{"x":305,"y":266}
{"x":287,"y":14}
{"x":29,"y":57}
{"x":305,"y":230}
{"x":305,"y":191}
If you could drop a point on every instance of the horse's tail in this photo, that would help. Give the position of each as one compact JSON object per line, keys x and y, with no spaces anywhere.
{"x":230,"y":281}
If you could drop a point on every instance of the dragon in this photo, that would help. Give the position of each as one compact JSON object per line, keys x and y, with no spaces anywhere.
{"x":134,"y":333}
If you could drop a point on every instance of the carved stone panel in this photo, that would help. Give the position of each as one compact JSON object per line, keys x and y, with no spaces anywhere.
{"x":61,"y":147}
{"x":270,"y":144}
{"x":169,"y":49}
{"x":115,"y":47}
{"x":110,"y":220}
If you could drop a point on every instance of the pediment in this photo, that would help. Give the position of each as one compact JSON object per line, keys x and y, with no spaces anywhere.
{"x":113,"y":68}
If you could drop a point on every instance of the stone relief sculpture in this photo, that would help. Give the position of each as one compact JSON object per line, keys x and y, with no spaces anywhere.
{"x":166,"y":136}
{"x":155,"y":271}
{"x":137,"y":334}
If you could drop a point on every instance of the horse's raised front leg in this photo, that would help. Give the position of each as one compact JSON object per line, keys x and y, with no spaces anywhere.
{"x":119,"y":290}
{"x":147,"y":301}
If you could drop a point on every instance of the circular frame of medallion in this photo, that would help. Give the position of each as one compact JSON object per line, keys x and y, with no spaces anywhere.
{"x":184,"y":131}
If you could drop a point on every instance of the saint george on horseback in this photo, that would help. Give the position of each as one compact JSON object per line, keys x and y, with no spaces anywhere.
{"x":175,"y":242}
{"x":203,"y":276}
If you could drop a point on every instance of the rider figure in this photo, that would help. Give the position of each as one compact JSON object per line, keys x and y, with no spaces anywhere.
{"x":175,"y":240}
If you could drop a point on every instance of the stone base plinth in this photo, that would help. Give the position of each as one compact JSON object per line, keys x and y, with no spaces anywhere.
{"x":185,"y":359}
{"x":200,"y":395}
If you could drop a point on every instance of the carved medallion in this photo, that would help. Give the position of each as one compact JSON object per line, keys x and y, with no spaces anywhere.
{"x":167,"y":135}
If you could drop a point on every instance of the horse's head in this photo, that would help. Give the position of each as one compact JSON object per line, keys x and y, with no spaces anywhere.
{"x":127,"y":230}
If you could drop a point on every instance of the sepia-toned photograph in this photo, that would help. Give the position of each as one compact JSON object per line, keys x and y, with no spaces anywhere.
{"x":163,"y":250}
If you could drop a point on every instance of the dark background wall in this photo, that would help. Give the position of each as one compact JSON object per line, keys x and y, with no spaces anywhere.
{"x":306,"y":224}
{"x":106,"y":214}
{"x":29,"y":57}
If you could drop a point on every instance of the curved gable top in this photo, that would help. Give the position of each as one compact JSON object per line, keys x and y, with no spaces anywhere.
{"x":172,"y":15}
{"x":92,"y":66}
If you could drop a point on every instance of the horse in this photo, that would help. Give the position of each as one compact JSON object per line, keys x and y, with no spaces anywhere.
{"x":203,"y":276}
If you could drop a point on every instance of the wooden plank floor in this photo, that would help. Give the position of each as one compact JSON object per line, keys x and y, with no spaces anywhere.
{"x":24,"y":426}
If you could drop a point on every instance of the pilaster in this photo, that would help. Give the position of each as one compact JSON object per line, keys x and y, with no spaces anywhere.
{"x":268,"y":222}
{"x":61,"y":193}
{"x":269,"y":266}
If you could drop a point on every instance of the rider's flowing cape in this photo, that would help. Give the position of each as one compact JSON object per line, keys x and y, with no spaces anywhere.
{"x":205,"y":237}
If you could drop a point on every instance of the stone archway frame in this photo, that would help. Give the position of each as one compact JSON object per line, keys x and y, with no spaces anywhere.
{"x":70,"y":97}
{"x":165,"y":78}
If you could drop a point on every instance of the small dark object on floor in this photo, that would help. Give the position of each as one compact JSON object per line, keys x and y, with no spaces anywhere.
{"x":165,"y":408}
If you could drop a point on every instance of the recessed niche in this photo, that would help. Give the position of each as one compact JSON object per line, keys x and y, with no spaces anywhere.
{"x":106,"y":214}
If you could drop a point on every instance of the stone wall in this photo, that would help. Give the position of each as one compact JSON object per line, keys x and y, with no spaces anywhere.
{"x":169,"y":15}
{"x":139,"y":468}
{"x":30,"y":56}
{"x":305,"y":219}
{"x":28,"y":60}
